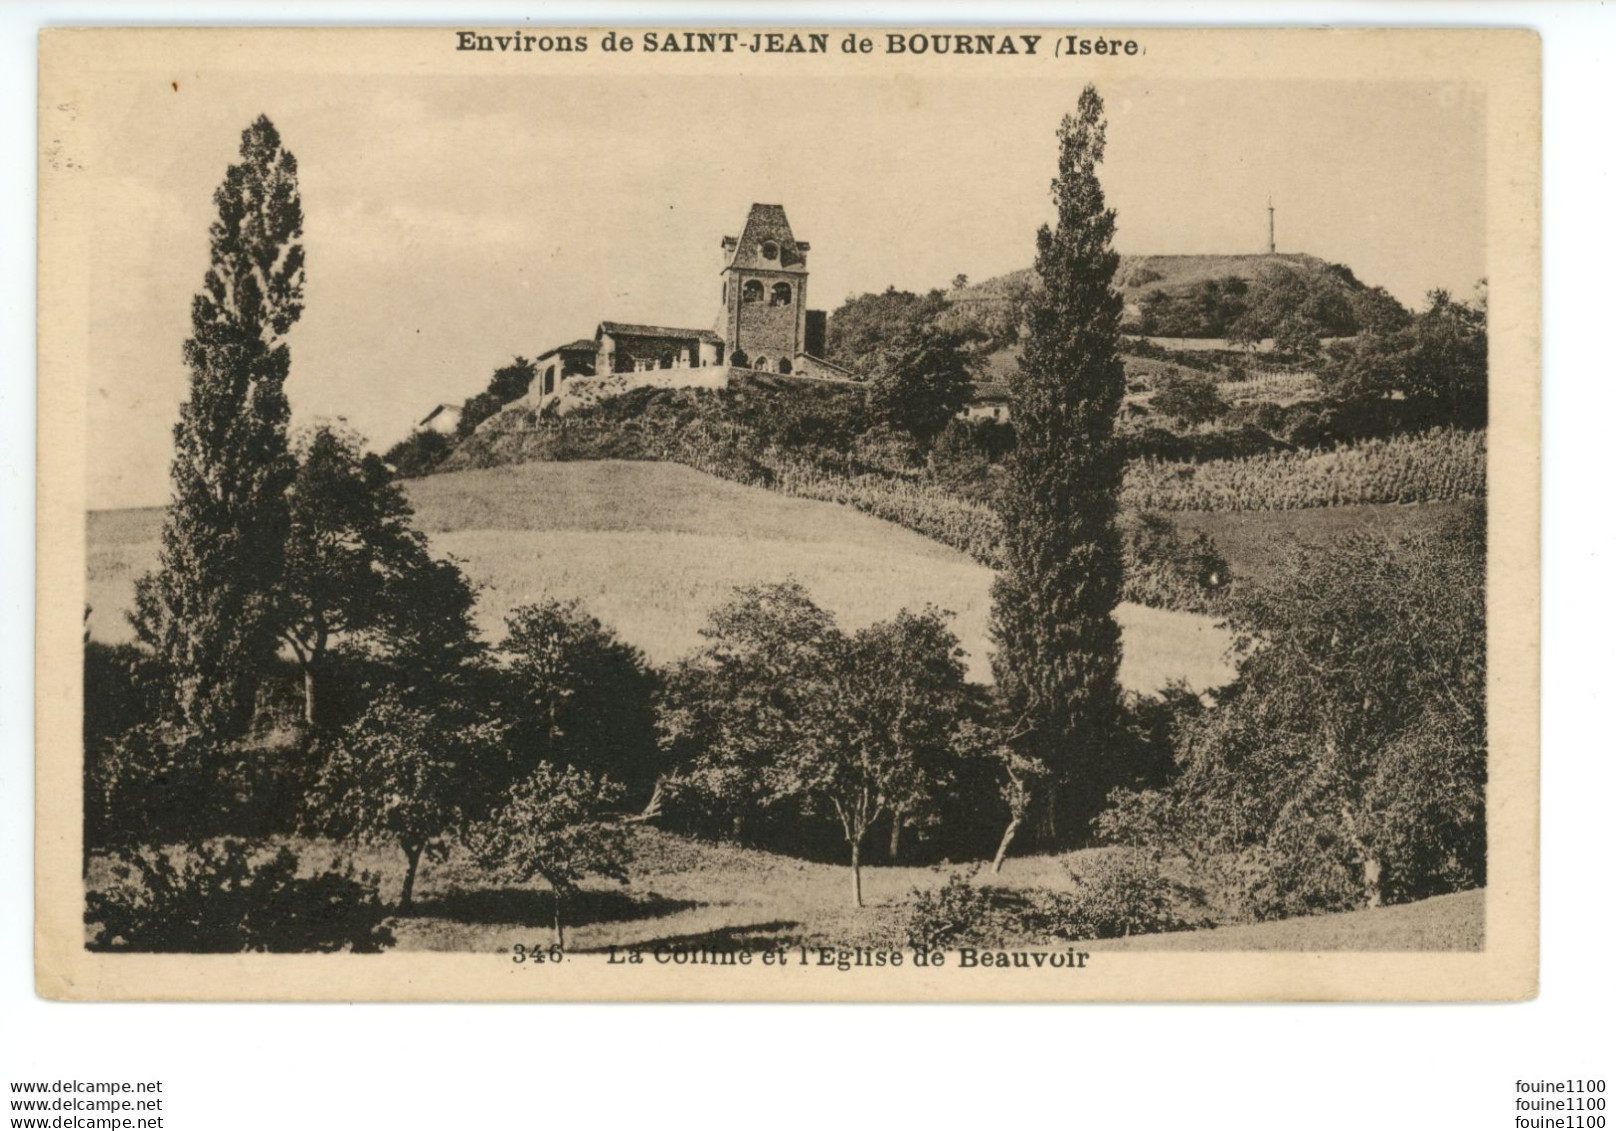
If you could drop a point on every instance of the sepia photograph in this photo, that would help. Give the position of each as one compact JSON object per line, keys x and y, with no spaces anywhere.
{"x":787,"y":513}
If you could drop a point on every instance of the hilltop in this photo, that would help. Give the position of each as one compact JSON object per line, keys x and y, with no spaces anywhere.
{"x":1204,"y":296}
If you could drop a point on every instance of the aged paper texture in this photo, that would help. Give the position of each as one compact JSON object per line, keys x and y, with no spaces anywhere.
{"x":834,"y":513}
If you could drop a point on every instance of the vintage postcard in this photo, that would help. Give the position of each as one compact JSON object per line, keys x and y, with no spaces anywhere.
{"x":823,"y":513}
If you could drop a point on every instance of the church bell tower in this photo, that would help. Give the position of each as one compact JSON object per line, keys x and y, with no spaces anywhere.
{"x":765,"y":293}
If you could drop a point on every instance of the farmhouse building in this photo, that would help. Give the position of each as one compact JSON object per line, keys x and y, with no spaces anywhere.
{"x":763,"y":322}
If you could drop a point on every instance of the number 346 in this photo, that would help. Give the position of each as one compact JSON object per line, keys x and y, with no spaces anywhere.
{"x":536,"y":954}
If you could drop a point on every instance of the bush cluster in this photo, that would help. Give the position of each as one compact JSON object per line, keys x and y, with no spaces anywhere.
{"x":150,"y":784}
{"x":224,"y":897}
{"x":1114,"y":894}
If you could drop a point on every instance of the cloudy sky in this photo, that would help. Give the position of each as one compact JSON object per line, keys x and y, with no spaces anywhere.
{"x":453,"y":222}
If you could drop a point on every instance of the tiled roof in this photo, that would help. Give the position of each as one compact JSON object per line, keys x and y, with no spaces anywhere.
{"x":821,"y":363}
{"x":766,"y":223}
{"x":635,"y":330}
{"x":990,"y":391}
{"x":579,"y":345}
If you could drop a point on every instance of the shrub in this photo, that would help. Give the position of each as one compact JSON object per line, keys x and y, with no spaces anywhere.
{"x":1163,"y":571}
{"x":418,"y":454}
{"x":1115,"y":894}
{"x":1118,"y":893}
{"x":1188,"y":400}
{"x":134,"y":784}
{"x":962,"y":914}
{"x":959,"y":464}
{"x":118,"y":690}
{"x":223,"y":898}
{"x":148,"y":784}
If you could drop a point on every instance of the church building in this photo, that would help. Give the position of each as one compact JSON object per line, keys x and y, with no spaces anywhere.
{"x":763,"y":324}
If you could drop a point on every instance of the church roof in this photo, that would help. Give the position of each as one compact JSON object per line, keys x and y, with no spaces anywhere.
{"x":578,"y":346}
{"x":766,"y":224}
{"x":636,"y":330}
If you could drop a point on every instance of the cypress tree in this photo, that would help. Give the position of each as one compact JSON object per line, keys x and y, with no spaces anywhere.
{"x":1058,"y":645}
{"x":207,"y":612}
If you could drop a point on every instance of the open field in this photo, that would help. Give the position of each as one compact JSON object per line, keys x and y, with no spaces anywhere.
{"x":685,"y":892}
{"x":652,"y":547}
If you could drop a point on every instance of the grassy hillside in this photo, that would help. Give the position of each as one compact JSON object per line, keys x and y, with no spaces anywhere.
{"x":652,"y":547}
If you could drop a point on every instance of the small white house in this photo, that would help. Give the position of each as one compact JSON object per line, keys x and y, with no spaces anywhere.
{"x":990,"y":400}
{"x":445,"y":418}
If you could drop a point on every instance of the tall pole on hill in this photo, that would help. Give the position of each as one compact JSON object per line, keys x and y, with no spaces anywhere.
{"x":1058,"y":645}
{"x":1271,"y":244}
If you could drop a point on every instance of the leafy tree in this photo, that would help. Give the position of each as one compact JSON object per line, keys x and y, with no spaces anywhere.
{"x":512,"y":381}
{"x":875,"y":739}
{"x":1375,"y":311}
{"x":1207,"y":309}
{"x":426,"y":631}
{"x":1296,"y":308}
{"x":920,"y":380}
{"x":1020,"y":778}
{"x":1190,"y":400}
{"x":208,"y":610}
{"x":349,"y":554}
{"x":508,"y":383}
{"x":557,"y":825}
{"x":579,"y":695}
{"x":865,"y":324}
{"x":1058,"y":645}
{"x":477,"y":409}
{"x":729,"y":710}
{"x":404,"y":775}
{"x":1436,"y":365}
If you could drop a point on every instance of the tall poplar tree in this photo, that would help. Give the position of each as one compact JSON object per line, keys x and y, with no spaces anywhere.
{"x":1058,"y":645}
{"x":207,"y":612}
